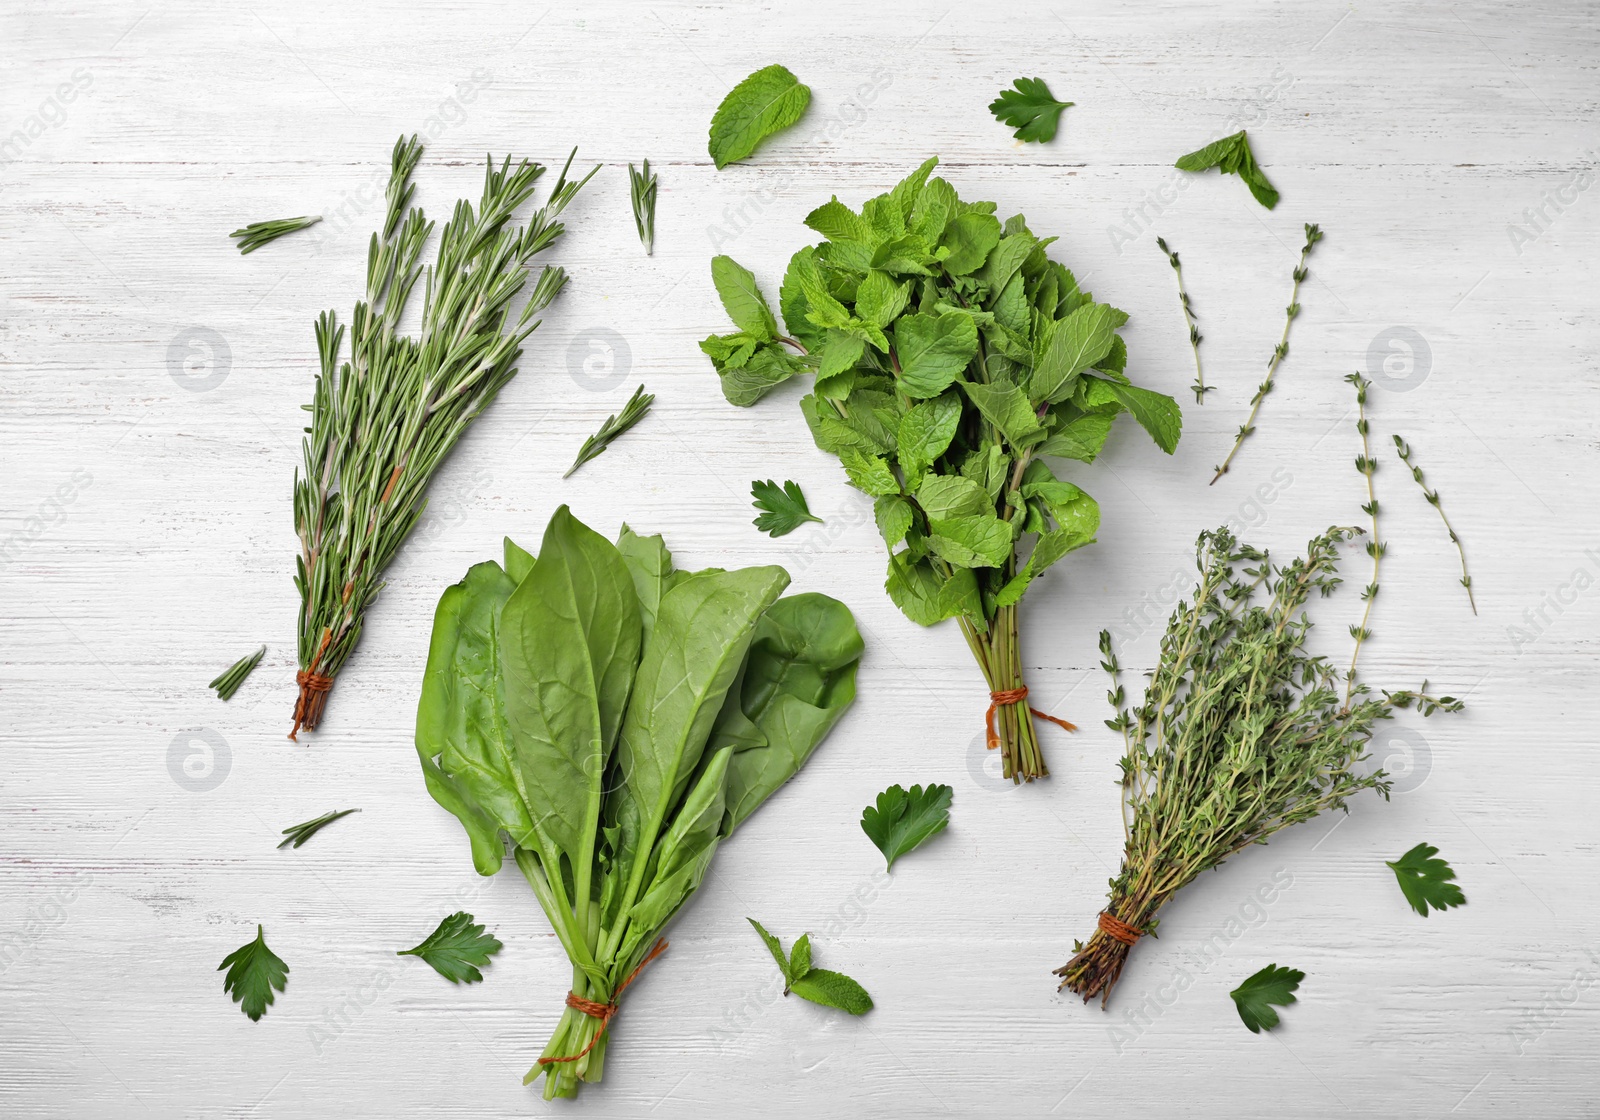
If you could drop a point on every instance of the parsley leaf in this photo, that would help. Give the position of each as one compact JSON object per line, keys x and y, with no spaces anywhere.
{"x":901,"y":821}
{"x":819,"y":985}
{"x":253,"y":972}
{"x":1232,"y":156}
{"x":457,"y":949}
{"x":1256,"y":995}
{"x":1030,"y":108}
{"x":768,"y":101}
{"x":1426,"y":881}
{"x":783,"y":508}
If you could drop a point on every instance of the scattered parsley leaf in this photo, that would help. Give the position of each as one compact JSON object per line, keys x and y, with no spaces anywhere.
{"x":298,"y":834}
{"x":229,"y":680}
{"x":901,"y":821}
{"x":1030,"y":108}
{"x":819,"y":985}
{"x":1272,"y":985}
{"x":637,"y":408}
{"x":1232,"y":156}
{"x":1426,"y":881}
{"x":457,"y":949}
{"x":253,"y":972}
{"x":768,"y":101}
{"x":783,"y":508}
{"x":257,"y":234}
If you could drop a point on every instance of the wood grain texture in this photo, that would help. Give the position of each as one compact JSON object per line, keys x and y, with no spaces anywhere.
{"x":148,"y":543}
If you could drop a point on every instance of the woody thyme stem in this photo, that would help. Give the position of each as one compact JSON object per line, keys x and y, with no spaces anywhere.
{"x":1403,"y":449}
{"x":1199,"y":387}
{"x":1367,"y":465}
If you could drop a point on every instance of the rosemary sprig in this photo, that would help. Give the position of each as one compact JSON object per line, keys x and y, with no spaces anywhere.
{"x":384,"y":419}
{"x":1403,"y":449}
{"x":1313,"y":235}
{"x":635,"y":410}
{"x":229,"y":680}
{"x":1199,"y":387}
{"x":298,"y":834}
{"x":1368,"y":466}
{"x":643,"y":191}
{"x":257,"y":234}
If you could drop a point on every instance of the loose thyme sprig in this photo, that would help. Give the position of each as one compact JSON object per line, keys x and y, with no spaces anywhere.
{"x":1403,"y":449}
{"x":229,"y":680}
{"x":298,"y":834}
{"x":1199,"y":387}
{"x":635,"y":410}
{"x":643,"y":190}
{"x":1368,"y":466}
{"x":257,"y":234}
{"x":1313,"y":235}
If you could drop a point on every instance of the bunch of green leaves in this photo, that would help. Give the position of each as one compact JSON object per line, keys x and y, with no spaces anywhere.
{"x":616,"y":719}
{"x":1242,"y":732}
{"x":254,"y":973}
{"x":819,"y":985}
{"x":228,"y":681}
{"x":385,"y":418}
{"x":1031,"y":109}
{"x":257,"y":234}
{"x":1260,"y":991}
{"x":768,"y":101}
{"x":902,"y":820}
{"x":952,"y":357}
{"x":458,"y":949}
{"x":1426,"y":880}
{"x":1232,"y":156}
{"x":783,"y":508}
{"x":637,"y":408}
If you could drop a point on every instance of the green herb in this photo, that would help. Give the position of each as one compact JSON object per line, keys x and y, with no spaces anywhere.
{"x":617,"y":720}
{"x":1426,"y":881}
{"x":642,"y":187}
{"x":383,"y":421}
{"x":830,"y":989}
{"x":783,"y":508}
{"x":901,"y":821}
{"x":457,"y":949}
{"x":297,"y":834}
{"x":1255,"y":997}
{"x":1030,"y":108}
{"x":952,"y":356}
{"x":1199,"y":387}
{"x":1313,"y":235}
{"x":1241,"y":733}
{"x":257,"y":234}
{"x":768,"y":101}
{"x":1232,"y":155}
{"x":1403,"y":449}
{"x":1375,"y":547}
{"x":637,"y":408}
{"x":253,"y":972}
{"x":229,"y":680}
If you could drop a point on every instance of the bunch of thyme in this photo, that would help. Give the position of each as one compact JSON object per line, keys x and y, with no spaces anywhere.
{"x":1241,"y":733}
{"x":384,"y":420}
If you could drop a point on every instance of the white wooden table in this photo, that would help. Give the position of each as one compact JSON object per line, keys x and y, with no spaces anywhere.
{"x":152,"y":384}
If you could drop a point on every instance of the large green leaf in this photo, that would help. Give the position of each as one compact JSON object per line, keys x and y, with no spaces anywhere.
{"x":933,"y":350}
{"x":982,"y":541}
{"x":741,"y":297}
{"x":650,"y":565}
{"x":924,"y":433}
{"x":1006,"y":406}
{"x":1078,"y":342}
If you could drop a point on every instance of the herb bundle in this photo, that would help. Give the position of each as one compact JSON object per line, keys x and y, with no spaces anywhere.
{"x":1241,"y":733}
{"x":617,"y":719}
{"x":383,"y":420}
{"x":952,"y":357}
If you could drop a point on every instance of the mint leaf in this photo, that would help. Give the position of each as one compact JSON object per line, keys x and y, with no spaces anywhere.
{"x":983,"y":541}
{"x":1426,"y":881}
{"x":1030,"y":108}
{"x":768,"y":101}
{"x":742,"y":299}
{"x":925,"y":433}
{"x":457,"y":949}
{"x":1078,"y":342}
{"x":1255,"y":997}
{"x":1157,"y":413}
{"x":833,"y":989}
{"x":951,"y":495}
{"x":902,"y":819}
{"x":783,"y":507}
{"x":1006,"y":406}
{"x":253,"y":972}
{"x":775,"y":947}
{"x":800,"y":956}
{"x":1232,"y":156}
{"x":932,"y":351}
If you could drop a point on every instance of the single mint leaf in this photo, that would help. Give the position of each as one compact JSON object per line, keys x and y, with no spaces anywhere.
{"x":457,"y":949}
{"x":1079,"y":341}
{"x":1426,"y":881}
{"x":253,"y":972}
{"x":1157,"y":413}
{"x":800,"y":957}
{"x":1255,"y":997}
{"x":833,"y":989}
{"x":1232,"y":156}
{"x":932,"y":351}
{"x":775,"y":947}
{"x":1030,"y":108}
{"x":742,"y":298}
{"x":768,"y":101}
{"x":902,"y":819}
{"x":783,"y":507}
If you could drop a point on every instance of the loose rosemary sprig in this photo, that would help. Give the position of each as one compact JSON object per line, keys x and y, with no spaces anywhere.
{"x":643,"y":190}
{"x":1403,"y":449}
{"x":298,"y":834}
{"x":1313,"y":235}
{"x":257,"y":234}
{"x":1199,"y":387}
{"x":229,"y":680}
{"x":1367,"y":466}
{"x":383,"y":420}
{"x":635,"y":410}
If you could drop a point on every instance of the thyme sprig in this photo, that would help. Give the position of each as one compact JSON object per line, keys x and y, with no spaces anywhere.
{"x":1313,"y":235}
{"x":642,"y":188}
{"x":229,"y":680}
{"x":257,"y":234}
{"x":637,"y":408}
{"x":1403,"y":449}
{"x":1199,"y":388}
{"x":1367,"y":466}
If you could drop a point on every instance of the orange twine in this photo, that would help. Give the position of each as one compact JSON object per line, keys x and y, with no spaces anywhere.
{"x":309,"y":704}
{"x":605,"y":1011}
{"x":1117,"y":929}
{"x":1016,"y":696}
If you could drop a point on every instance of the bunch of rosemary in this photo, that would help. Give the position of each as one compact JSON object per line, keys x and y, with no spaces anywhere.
{"x":1241,"y":733}
{"x":383,"y":421}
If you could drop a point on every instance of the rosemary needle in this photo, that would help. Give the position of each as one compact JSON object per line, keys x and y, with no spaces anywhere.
{"x":298,"y":834}
{"x":643,"y":191}
{"x":635,"y":410}
{"x":257,"y":234}
{"x":229,"y":680}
